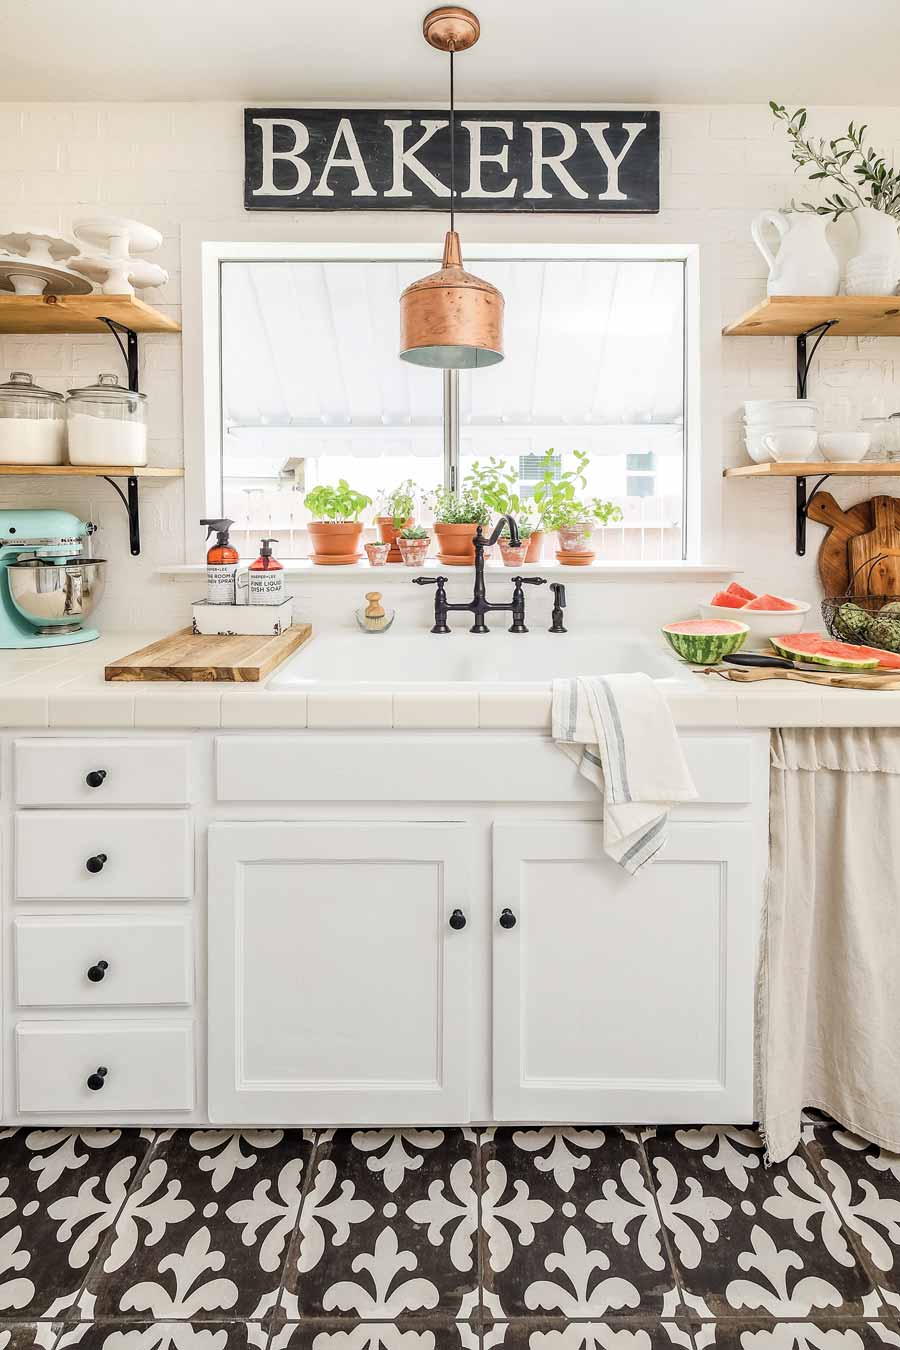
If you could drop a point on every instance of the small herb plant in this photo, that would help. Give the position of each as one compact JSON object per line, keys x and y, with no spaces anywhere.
{"x":559,"y":502}
{"x":400,"y":503}
{"x":863,"y":176}
{"x":337,"y":505}
{"x":415,"y":532}
{"x":464,"y":508}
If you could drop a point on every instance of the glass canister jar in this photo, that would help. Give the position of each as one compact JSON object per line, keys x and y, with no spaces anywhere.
{"x":32,"y":422}
{"x":107,"y":424}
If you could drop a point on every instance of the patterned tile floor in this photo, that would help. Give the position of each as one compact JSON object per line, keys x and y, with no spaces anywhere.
{"x":453,"y":1239}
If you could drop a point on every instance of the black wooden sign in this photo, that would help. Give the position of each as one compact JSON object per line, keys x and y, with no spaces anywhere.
{"x":367,"y":159}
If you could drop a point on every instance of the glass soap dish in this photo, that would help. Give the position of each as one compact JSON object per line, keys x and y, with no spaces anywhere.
{"x":374,"y":617}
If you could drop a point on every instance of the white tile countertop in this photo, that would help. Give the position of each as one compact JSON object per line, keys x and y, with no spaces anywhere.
{"x":64,"y":687}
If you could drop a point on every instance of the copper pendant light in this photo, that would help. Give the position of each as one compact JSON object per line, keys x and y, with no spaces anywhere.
{"x":451,"y":319}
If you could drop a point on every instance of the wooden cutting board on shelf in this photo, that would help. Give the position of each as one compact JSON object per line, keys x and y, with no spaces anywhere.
{"x":834,"y":564}
{"x":881,"y":542}
{"x":189,"y":657}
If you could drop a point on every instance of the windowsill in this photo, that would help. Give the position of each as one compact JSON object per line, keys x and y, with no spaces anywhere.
{"x":397,"y":572}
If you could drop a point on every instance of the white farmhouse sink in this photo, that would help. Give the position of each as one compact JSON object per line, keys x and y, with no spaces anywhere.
{"x":428,"y":659}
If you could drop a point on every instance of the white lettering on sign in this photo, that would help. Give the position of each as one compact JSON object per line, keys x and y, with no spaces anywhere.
{"x":597,"y":132}
{"x":540,"y":158}
{"x":405,"y":158}
{"x":270,"y":154}
{"x":352,"y":160}
{"x":477,"y":157}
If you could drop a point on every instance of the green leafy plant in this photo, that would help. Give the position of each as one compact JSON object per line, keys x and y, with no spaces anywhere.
{"x":400,"y":503}
{"x":464,"y":508}
{"x":863,"y":176}
{"x":415,"y":532}
{"x":339,"y":504}
{"x":559,"y":500}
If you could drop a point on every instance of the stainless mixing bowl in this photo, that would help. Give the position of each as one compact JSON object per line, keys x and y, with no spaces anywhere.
{"x":56,"y":597}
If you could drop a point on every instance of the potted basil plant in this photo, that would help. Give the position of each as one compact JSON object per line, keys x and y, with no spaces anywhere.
{"x":335,"y":529}
{"x":495,"y":482}
{"x":456,"y":519}
{"x":397,"y":510}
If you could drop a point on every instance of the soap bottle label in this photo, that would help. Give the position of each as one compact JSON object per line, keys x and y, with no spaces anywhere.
{"x":220,"y":583}
{"x":267,"y":587}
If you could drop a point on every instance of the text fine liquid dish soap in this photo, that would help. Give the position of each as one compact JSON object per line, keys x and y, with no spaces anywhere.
{"x":266,"y":577}
{"x":221,"y":564}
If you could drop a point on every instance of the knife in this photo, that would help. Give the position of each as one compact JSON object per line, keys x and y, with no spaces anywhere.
{"x":782,"y":663}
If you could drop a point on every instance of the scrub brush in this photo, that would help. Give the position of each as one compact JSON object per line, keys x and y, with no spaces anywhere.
{"x":374,"y":618}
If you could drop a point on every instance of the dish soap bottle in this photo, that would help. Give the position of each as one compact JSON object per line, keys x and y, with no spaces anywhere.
{"x":266,"y":577}
{"x":221,"y":564}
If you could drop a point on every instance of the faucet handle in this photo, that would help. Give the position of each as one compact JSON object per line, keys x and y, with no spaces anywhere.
{"x":559,"y":604}
{"x":440,"y":582}
{"x":529,"y":581}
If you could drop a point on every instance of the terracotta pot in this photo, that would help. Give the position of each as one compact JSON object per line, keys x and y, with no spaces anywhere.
{"x":377,"y":554}
{"x":455,"y":547}
{"x":387,"y":533}
{"x":572,"y":559}
{"x":535,"y":546}
{"x":574,"y":538}
{"x":413,"y":551}
{"x":513,"y":557}
{"x":335,"y":544}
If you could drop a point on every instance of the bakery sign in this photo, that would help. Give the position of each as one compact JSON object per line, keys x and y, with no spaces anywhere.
{"x":302,"y":159}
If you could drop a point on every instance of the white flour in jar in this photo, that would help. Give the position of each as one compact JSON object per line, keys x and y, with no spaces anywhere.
{"x":32,"y":440}
{"x":106,"y":440}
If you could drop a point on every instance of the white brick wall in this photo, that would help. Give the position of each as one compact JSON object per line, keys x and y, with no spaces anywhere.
{"x":173,"y":163}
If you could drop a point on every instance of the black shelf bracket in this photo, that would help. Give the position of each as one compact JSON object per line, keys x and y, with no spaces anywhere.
{"x":129,"y":349}
{"x":803,"y":509}
{"x":804,"y":359}
{"x":131,"y":502}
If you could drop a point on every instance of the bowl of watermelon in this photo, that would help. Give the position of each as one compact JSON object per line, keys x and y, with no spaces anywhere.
{"x":765,"y":615}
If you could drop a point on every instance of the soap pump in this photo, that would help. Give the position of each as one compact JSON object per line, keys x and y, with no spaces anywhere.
{"x":266,"y":577}
{"x":221,"y":563}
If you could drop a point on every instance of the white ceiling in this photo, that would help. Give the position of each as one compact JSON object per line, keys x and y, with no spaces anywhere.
{"x":565,"y":51}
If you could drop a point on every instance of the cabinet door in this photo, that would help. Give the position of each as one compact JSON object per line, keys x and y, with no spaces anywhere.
{"x":619,"y":998}
{"x":338,"y":990}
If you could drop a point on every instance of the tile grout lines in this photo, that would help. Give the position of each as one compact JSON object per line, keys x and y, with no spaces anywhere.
{"x":683,"y":1306}
{"x":289,"y":1246}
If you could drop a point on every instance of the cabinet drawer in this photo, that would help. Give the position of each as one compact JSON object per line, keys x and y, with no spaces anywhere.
{"x":148,"y":1067}
{"x":95,"y":962}
{"x":134,"y":854}
{"x":123,"y":773}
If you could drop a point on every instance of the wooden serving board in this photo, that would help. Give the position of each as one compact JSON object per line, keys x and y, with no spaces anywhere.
{"x":881,"y":542}
{"x":834,"y":558}
{"x":188,"y":656}
{"x":835,"y":680}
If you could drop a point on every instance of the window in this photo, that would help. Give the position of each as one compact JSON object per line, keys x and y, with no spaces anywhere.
{"x":312,"y":389}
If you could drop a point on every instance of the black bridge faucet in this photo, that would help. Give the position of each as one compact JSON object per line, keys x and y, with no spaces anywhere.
{"x":479,"y":605}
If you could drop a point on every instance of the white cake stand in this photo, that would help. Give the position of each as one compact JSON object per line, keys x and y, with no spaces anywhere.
{"x":38,"y":245}
{"x":116,"y":237}
{"x":28,"y":278}
{"x":119,"y":276}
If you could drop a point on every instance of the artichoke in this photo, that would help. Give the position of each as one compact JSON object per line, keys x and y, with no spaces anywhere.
{"x":851,"y":621}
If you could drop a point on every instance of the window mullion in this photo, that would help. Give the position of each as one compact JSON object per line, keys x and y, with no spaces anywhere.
{"x":451,"y":430}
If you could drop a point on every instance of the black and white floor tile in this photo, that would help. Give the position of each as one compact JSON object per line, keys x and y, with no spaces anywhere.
{"x":447,"y":1239}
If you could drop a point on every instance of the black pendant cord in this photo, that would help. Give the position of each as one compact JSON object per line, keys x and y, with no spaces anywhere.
{"x":452,"y":149}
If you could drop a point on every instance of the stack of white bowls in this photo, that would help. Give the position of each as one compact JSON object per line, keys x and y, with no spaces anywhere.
{"x":780,"y":429}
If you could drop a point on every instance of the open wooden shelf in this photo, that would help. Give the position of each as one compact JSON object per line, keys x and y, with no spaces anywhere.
{"x":80,"y":314}
{"x":793,"y":315}
{"x":808,"y":468}
{"x":85,"y":471}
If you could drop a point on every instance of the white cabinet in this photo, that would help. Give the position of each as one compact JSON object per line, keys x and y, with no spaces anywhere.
{"x":98,"y":771}
{"x":80,"y":1067}
{"x":339,"y":989}
{"x":96,"y":961}
{"x":618,"y":998}
{"x":103,"y":855}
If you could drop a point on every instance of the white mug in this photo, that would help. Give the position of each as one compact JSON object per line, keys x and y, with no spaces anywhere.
{"x":796,"y":443}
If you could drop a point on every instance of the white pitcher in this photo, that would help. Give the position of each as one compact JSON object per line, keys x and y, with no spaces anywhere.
{"x":875,"y":267}
{"x":805,"y":263}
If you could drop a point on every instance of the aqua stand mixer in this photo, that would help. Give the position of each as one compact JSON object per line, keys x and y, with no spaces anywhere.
{"x":47,"y":589}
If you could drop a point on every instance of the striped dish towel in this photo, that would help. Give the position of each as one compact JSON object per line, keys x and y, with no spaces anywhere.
{"x":620,"y":733}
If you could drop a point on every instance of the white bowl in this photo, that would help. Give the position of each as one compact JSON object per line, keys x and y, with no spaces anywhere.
{"x":763,"y":623}
{"x":790,"y":412}
{"x":848,"y":447}
{"x":791,"y":444}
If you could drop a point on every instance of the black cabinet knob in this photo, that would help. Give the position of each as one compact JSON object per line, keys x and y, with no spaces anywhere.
{"x":457,"y":919}
{"x":507,"y":919}
{"x":97,"y":1079}
{"x":96,"y":973}
{"x":95,"y":864}
{"x":95,"y":777}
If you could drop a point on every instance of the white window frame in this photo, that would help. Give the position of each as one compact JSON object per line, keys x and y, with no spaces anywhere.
{"x":206,"y":247}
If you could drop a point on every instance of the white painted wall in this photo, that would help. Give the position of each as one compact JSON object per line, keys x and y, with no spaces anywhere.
{"x":175,"y":164}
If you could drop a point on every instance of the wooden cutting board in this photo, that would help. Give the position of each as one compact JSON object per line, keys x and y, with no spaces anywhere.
{"x":189,"y":656}
{"x":835,"y":680}
{"x":882,"y":541}
{"x":835,"y":569}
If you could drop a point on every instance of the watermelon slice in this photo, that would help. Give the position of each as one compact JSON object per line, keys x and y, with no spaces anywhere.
{"x":770,"y":602}
{"x":824,"y":651}
{"x":886,"y":660}
{"x":704,"y":642}
{"x":728,"y":600}
{"x":740,"y":591}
